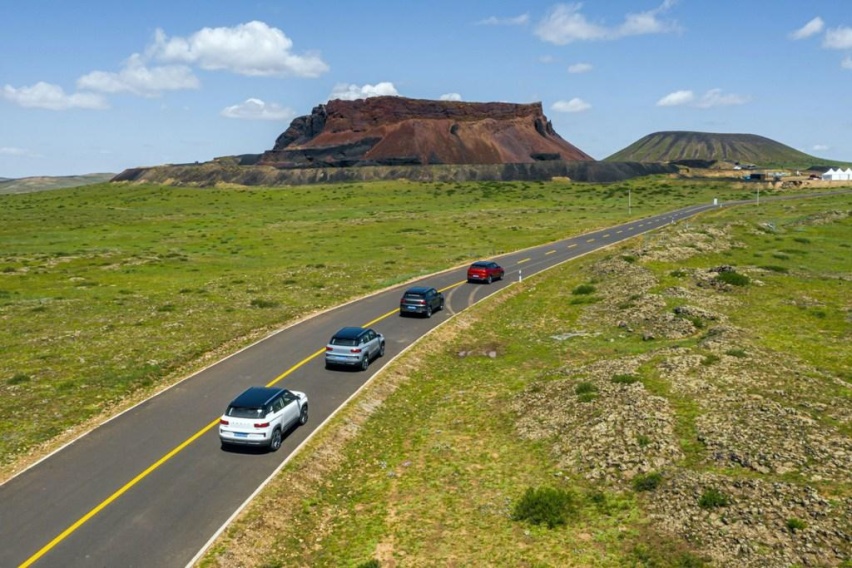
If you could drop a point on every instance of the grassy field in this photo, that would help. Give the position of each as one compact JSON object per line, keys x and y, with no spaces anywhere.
{"x":681,"y":400}
{"x":108,"y":292}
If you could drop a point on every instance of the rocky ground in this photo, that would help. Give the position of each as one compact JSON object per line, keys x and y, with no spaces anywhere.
{"x":756,"y":483}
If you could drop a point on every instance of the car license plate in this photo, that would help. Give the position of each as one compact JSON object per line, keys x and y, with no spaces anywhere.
{"x":412,"y":308}
{"x":241,"y":434}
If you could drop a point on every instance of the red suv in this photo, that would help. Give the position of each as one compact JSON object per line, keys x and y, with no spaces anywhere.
{"x":484,"y":271}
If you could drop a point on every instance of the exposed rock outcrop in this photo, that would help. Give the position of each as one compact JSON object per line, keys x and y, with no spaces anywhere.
{"x":394,"y":131}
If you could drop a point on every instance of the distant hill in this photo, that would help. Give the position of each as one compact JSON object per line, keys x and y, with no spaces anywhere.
{"x":684,"y":146}
{"x":44,"y":183}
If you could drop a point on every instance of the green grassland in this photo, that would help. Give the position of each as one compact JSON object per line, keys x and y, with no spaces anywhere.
{"x":486,"y":443}
{"x":110,"y":290}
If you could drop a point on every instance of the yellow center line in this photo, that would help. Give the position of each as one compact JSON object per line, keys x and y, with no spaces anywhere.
{"x":549,"y":252}
{"x":64,"y":534}
{"x":524,"y":260}
{"x":296,"y":366}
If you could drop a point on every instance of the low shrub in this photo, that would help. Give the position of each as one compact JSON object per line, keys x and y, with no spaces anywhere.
{"x":546,"y":506}
{"x":260,"y":303}
{"x":733,"y":278}
{"x":775,"y":268}
{"x":625,"y":379}
{"x":647,"y":481}
{"x":736,"y":352}
{"x":583,"y":290}
{"x":586,"y":391}
{"x":712,"y":498}
{"x":794,"y":525}
{"x":710,"y":359}
{"x":19,"y":378}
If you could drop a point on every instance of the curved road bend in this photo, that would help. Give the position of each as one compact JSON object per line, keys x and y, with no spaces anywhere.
{"x":151,"y":486}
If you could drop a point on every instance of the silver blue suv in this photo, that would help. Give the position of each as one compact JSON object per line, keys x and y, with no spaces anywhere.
{"x":354,"y":347}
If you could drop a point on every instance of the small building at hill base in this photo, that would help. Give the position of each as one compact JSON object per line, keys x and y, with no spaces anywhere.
{"x":837,"y":175}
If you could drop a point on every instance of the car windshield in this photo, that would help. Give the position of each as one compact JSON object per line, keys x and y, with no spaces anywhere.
{"x":245,"y":412}
{"x":343,"y":341}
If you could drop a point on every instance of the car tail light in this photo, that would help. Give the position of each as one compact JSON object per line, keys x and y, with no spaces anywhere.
{"x":223,"y":422}
{"x":355,"y":350}
{"x":261,"y":424}
{"x":327,"y":348}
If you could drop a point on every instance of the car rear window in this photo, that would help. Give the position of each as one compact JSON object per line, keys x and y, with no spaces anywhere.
{"x":343,"y":341}
{"x":245,"y":412}
{"x":414,"y":295}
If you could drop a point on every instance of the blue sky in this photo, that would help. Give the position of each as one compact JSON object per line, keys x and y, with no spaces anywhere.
{"x":101,"y":86}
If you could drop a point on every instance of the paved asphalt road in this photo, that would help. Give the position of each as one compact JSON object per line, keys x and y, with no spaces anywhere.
{"x":150,"y":487}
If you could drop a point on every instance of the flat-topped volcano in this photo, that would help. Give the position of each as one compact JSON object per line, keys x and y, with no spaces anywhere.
{"x":400,"y":131}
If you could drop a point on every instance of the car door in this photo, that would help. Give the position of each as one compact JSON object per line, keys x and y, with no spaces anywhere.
{"x":429,"y":296}
{"x":289,"y":409}
{"x":371,"y":346}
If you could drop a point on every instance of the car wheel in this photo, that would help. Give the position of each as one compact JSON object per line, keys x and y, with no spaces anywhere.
{"x":276,"y":440}
{"x":225,"y":446}
{"x":401,"y":314}
{"x":428,"y":311}
{"x":365,"y":362}
{"x":441,"y":306}
{"x":303,"y":415}
{"x":382,"y":349}
{"x":488,"y":280}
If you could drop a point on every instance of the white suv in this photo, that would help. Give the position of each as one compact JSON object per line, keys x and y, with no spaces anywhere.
{"x":261,"y":416}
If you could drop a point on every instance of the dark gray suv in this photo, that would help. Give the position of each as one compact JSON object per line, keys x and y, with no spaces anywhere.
{"x":421,"y":300}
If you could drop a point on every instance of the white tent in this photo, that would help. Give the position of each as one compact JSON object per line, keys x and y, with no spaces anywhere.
{"x":838,"y":175}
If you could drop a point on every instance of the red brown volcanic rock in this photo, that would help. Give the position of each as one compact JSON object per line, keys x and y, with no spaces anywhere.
{"x":401,"y":131}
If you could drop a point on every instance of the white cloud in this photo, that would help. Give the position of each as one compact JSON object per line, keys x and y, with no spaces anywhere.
{"x":580,"y":68}
{"x":7,"y":151}
{"x":451,"y":97}
{"x":348,"y":92}
{"x":838,"y":38}
{"x":821,"y":147}
{"x":811,"y":28}
{"x":256,"y":109}
{"x":710,"y":99}
{"x":715,"y":98}
{"x":574,"y":105}
{"x":138,"y":79}
{"x":565,"y":24}
{"x":52,"y":97}
{"x":547,"y":59}
{"x":677,"y":98}
{"x":253,"y":49}
{"x":847,"y":62}
{"x":521,"y":20}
